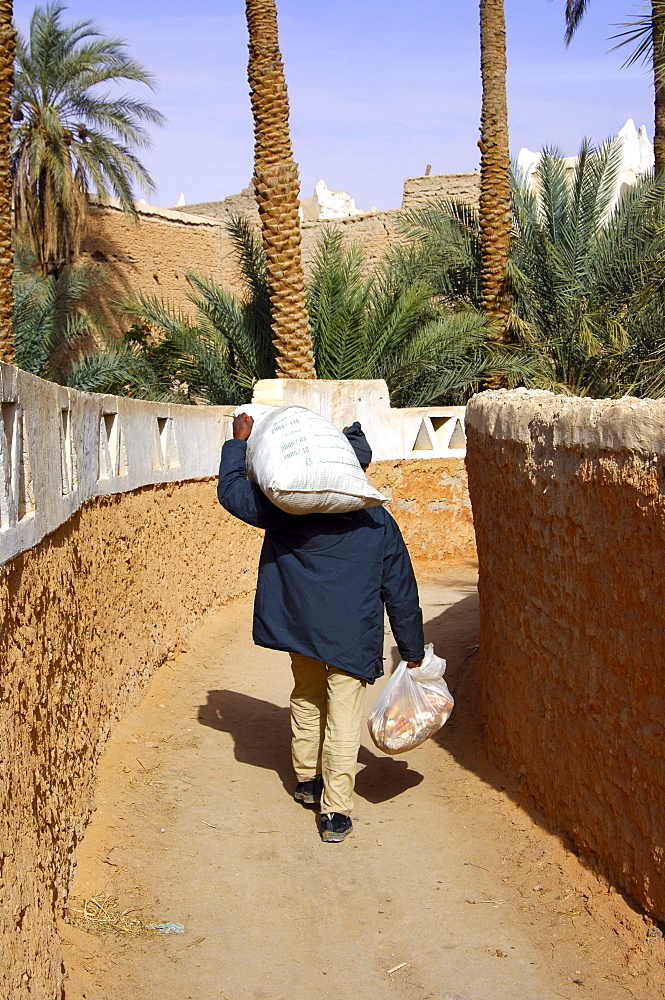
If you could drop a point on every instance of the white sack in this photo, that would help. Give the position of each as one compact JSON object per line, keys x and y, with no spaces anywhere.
{"x":304,"y":464}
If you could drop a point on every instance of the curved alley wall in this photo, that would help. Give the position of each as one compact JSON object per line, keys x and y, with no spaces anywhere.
{"x":569,"y":507}
{"x":88,"y":614}
{"x":112,"y":544}
{"x":430,"y":502}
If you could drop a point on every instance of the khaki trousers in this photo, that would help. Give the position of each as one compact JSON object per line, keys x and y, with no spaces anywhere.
{"x":326,"y":718}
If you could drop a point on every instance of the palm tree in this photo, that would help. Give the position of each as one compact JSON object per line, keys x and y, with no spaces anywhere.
{"x":383,"y":325}
{"x":53,"y":334}
{"x":388,"y":324}
{"x":647,"y":33}
{"x":586,"y":277}
{"x":47,"y":318}
{"x":69,"y":136}
{"x":277,"y":187}
{"x":495,"y":218}
{"x":658,"y":56}
{"x":219,"y":355}
{"x":118,"y":370}
{"x":587,"y":303}
{"x":7,"y":49}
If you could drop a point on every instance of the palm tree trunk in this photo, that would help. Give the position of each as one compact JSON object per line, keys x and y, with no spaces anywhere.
{"x":658,"y":38}
{"x":495,"y":206}
{"x":276,"y":186}
{"x":7,"y":48}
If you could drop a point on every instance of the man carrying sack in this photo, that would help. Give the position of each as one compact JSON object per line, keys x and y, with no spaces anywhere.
{"x":322,"y":585}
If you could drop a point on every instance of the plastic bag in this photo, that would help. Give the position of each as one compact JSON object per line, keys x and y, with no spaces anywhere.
{"x":304,"y":464}
{"x":413,"y":705}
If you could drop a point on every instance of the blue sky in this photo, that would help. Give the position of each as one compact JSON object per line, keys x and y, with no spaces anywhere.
{"x":378,"y":88}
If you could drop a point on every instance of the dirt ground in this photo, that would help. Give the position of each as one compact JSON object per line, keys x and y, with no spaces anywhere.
{"x":450,"y":886}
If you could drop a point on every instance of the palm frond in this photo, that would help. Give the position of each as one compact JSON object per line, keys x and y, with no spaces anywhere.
{"x":336,"y":301}
{"x":48,"y":316}
{"x":120,"y":370}
{"x":70,"y":137}
{"x":575,"y":11}
{"x":586,"y":270}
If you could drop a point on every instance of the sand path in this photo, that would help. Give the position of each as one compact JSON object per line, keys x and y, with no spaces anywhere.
{"x":449,"y":887}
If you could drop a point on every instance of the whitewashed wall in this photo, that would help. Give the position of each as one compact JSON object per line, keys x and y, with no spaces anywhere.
{"x":415,"y":432}
{"x":60,"y":447}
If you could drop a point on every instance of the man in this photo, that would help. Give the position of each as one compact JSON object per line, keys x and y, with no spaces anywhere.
{"x":322,"y":585}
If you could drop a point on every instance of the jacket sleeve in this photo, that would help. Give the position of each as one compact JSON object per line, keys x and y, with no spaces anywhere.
{"x":356,"y":438}
{"x":241,"y":497}
{"x":399,"y":592}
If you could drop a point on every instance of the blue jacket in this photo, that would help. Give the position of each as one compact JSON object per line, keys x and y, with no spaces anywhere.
{"x":324,"y":578}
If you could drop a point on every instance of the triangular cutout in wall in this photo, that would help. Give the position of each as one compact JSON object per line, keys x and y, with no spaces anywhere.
{"x":17,"y":497}
{"x":112,"y":451}
{"x":423,"y":440}
{"x":69,"y":477}
{"x":157,"y":444}
{"x":122,"y":453}
{"x":458,"y":437}
{"x":171,"y":459}
{"x":25,"y":490}
{"x":168,"y":448}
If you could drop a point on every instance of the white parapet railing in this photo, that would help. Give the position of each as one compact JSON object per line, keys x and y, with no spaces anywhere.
{"x":60,"y":447}
{"x":408,"y":432}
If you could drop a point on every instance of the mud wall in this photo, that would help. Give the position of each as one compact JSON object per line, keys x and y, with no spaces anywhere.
{"x":112,"y":544}
{"x":88,"y":614}
{"x":430,"y":502}
{"x":419,"y":191}
{"x":569,"y":507}
{"x":153,"y":254}
{"x":376,"y":232}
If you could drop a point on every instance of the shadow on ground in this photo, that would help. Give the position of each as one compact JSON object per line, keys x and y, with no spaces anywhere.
{"x":261,"y":735}
{"x":454,"y":633}
{"x":261,"y":730}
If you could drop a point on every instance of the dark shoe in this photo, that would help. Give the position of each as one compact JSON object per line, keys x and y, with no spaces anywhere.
{"x":309,"y":792}
{"x":335,"y":827}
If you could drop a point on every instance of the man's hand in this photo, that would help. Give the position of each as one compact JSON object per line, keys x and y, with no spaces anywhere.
{"x":242,"y":426}
{"x":412,"y":664}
